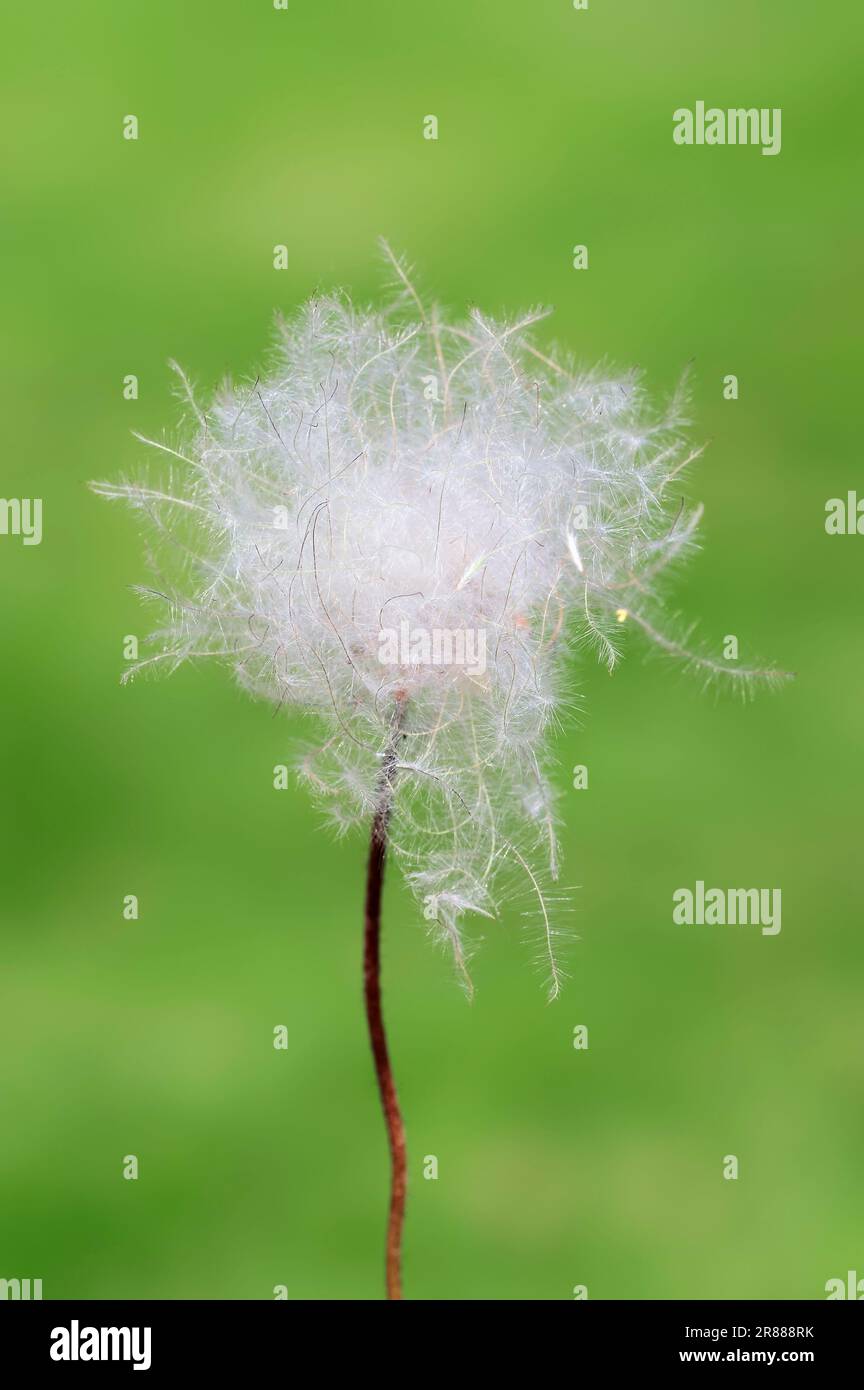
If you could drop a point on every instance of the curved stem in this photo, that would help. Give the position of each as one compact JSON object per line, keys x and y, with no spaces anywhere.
{"x":377,"y":1035}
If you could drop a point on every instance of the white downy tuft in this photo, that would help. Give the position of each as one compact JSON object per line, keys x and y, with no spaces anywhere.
{"x":404,"y":526}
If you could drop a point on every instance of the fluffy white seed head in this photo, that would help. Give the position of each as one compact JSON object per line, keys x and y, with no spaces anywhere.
{"x":403,"y":526}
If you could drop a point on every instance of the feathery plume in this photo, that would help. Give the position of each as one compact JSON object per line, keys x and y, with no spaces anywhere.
{"x":407,"y":525}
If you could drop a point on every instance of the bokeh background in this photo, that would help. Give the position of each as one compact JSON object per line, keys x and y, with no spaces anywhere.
{"x":557,"y":1167}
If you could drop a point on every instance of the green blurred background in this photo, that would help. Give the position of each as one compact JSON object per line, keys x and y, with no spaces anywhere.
{"x":557,"y":1167}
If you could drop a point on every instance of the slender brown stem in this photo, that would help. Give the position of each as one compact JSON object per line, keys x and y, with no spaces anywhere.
{"x":377,"y":1035}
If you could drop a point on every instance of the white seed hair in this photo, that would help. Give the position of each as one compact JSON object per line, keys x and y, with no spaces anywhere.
{"x":391,"y":471}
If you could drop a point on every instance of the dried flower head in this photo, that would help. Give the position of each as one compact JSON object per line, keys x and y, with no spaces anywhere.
{"x":406,"y":526}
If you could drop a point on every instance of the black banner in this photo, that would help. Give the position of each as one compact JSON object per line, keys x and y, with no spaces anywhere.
{"x":212,"y":1338}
